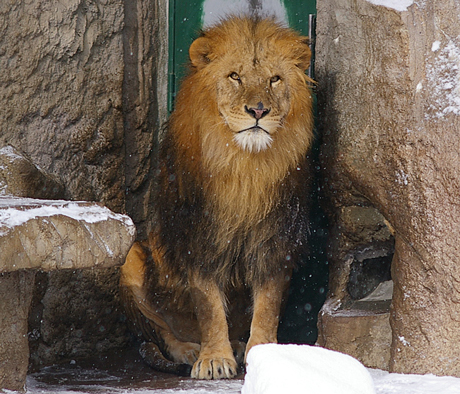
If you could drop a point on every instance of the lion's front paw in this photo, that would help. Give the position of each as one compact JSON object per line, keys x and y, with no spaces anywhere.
{"x":214,"y":368}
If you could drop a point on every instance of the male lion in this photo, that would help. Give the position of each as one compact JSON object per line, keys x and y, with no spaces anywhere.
{"x":231,"y":212}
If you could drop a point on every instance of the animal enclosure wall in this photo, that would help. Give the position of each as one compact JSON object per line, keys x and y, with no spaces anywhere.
{"x":81,"y":95}
{"x":389,"y":107}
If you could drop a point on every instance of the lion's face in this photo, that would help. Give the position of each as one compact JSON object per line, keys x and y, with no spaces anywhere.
{"x":252,"y":74}
{"x":253,"y":99}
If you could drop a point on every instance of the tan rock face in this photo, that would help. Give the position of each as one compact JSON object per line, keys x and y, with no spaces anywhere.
{"x":61,"y":92}
{"x":80,"y":95}
{"x":50,"y":235}
{"x":16,"y":290}
{"x":83,"y":94}
{"x":364,"y":335}
{"x":21,"y":178}
{"x":389,"y":103}
{"x":64,"y":238}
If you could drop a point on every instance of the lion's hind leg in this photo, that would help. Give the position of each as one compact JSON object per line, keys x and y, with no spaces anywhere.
{"x":181,"y":352}
{"x":162,"y":350}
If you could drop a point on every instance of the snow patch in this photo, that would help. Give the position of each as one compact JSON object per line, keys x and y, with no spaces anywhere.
{"x":392,"y":383}
{"x":403,"y":341}
{"x":398,"y":5}
{"x":296,"y":369}
{"x":10,"y":152}
{"x":16,"y":211}
{"x":443,"y":80}
{"x":96,"y":381}
{"x":402,"y":178}
{"x":436,"y":45}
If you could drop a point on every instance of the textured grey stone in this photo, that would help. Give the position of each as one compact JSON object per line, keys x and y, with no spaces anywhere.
{"x":50,"y":235}
{"x":16,"y":290}
{"x":21,"y":178}
{"x":389,"y":106}
{"x":83,"y":95}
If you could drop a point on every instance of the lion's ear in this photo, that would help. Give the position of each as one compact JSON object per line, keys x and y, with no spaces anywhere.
{"x":199,"y":52}
{"x":303,"y":53}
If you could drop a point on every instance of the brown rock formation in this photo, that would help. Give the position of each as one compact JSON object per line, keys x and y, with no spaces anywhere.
{"x":48,"y":235}
{"x":83,"y":94}
{"x":389,"y":103}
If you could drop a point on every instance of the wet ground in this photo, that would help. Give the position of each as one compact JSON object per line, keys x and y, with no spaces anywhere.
{"x":126,"y":373}
{"x":120,"y":373}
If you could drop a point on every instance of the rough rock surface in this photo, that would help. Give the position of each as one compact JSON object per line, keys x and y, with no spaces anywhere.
{"x":80,"y":94}
{"x":389,"y":103}
{"x":65,"y":325}
{"x":16,"y":290}
{"x":77,"y":299}
{"x":61,"y":92}
{"x":83,"y":95}
{"x":54,"y":235}
{"x":21,"y":178}
{"x":50,"y":235}
{"x":359,"y":328}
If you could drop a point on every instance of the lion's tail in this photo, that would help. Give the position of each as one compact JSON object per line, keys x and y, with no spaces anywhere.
{"x":155,"y":359}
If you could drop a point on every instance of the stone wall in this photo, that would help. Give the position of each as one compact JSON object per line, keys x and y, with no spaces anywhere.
{"x":389,"y":103}
{"x":82,"y":91}
{"x":80,"y":87}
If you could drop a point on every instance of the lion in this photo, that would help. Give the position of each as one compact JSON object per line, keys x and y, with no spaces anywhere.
{"x":231,"y":214}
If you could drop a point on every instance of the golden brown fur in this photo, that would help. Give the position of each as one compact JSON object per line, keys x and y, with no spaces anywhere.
{"x":232,"y":208}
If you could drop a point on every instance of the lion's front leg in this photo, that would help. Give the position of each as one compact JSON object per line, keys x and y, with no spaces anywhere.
{"x":268,"y":299}
{"x":216,"y":360}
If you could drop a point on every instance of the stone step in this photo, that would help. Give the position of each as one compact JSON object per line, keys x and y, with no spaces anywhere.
{"x":359,"y":328}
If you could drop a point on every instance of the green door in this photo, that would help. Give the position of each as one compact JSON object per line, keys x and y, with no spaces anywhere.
{"x":188,"y":17}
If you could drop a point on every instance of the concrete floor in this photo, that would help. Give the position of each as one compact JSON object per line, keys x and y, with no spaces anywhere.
{"x":120,"y":373}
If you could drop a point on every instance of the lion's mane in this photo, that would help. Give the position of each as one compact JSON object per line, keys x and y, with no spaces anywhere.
{"x":223,"y":211}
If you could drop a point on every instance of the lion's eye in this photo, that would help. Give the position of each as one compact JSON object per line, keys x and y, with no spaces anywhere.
{"x":275,"y":79}
{"x":234,"y":76}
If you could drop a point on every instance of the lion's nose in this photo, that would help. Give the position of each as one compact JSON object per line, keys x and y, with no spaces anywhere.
{"x":257,"y":113}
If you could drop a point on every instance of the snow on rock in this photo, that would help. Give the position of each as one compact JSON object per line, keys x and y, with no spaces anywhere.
{"x":398,"y":5}
{"x":279,"y":369}
{"x":16,"y":211}
{"x":55,"y":234}
{"x":443,"y":76}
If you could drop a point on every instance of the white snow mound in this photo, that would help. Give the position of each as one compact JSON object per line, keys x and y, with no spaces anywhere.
{"x":295,"y":369}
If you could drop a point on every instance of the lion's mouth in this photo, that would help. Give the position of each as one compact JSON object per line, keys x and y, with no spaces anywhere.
{"x":254,"y":129}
